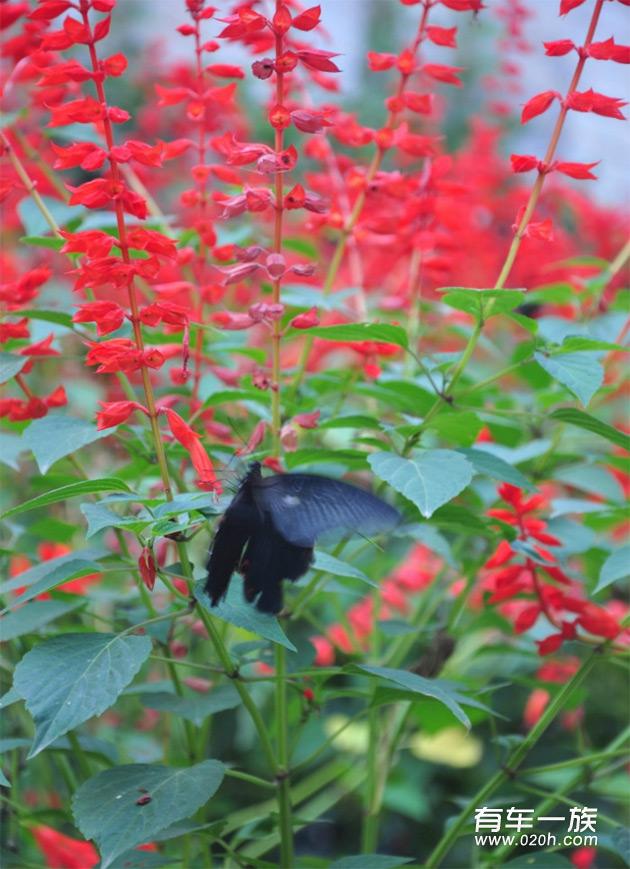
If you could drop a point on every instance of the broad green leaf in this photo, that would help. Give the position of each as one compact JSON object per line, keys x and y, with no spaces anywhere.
{"x":577,"y":343}
{"x":194,"y":707}
{"x":329,"y":564}
{"x":381,"y":332}
{"x":10,"y":448}
{"x":401,"y":394}
{"x":9,"y":698}
{"x":29,"y":619}
{"x":72,"y":490}
{"x":236,"y":611}
{"x":348,"y":459}
{"x":579,"y":418}
{"x":109,"y":807}
{"x":488,"y":303}
{"x":58,"y":435}
{"x":566,"y":506}
{"x":370,"y":861}
{"x":203,"y":501}
{"x":591,"y":478}
{"x":429,"y":480}
{"x":73,"y":677}
{"x":61,"y":318}
{"x":616,"y":567}
{"x":436,"y":688}
{"x":487,"y":463}
{"x":351,"y":421}
{"x":50,"y":242}
{"x":99,"y":517}
{"x":10,"y":365}
{"x":581,"y":373}
{"x":458,"y":428}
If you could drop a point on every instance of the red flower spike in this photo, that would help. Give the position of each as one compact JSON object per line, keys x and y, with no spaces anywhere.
{"x":63,"y":851}
{"x":46,"y":11}
{"x":568,"y":5}
{"x":281,"y":21}
{"x":379,"y":62}
{"x":550,"y":644}
{"x":108,"y":316}
{"x":279,"y":117}
{"x":501,"y":556}
{"x":599,"y":104}
{"x":256,"y":438}
{"x":442,"y":36}
{"x":307,"y":420}
{"x":308,"y":19}
{"x":609,"y":50}
{"x":559,"y":47}
{"x":316,"y":59}
{"x":524,"y":162}
{"x":116,"y":412}
{"x":527,"y":618}
{"x":306,"y":320}
{"x":443,"y":73}
{"x":538,"y":105}
{"x":147,"y":568}
{"x":597,"y":621}
{"x":225,"y":70}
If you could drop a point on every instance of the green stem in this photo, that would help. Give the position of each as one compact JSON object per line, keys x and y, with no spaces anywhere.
{"x":369,"y":836}
{"x":574,"y":761}
{"x":252,"y":779}
{"x":282,"y":772}
{"x":515,"y":759}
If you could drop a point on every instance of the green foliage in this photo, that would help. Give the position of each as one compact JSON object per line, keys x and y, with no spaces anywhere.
{"x":110,"y":808}
{"x":72,"y":677}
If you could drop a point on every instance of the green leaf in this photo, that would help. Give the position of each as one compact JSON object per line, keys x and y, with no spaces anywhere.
{"x":73,"y":677}
{"x":436,"y":688}
{"x":109,"y":808}
{"x":485,"y":462}
{"x":241,"y":614}
{"x":60,"y":318}
{"x":72,"y":490}
{"x":382,"y":332}
{"x":370,"y":861}
{"x":458,"y":428}
{"x":566,"y":506}
{"x":10,"y":365}
{"x":577,"y":343}
{"x":29,"y":619}
{"x":429,"y":480}
{"x":591,"y":478}
{"x":616,"y":567}
{"x":57,"y":435}
{"x":329,"y":564}
{"x":579,"y":418}
{"x":10,"y":448}
{"x":99,"y":517}
{"x":50,"y":242}
{"x":581,"y":373}
{"x":486,"y":303}
{"x":194,"y":707}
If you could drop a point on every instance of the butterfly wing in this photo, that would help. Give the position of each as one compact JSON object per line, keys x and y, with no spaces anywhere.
{"x":267,"y":560}
{"x":235,"y":528}
{"x":303,"y":506}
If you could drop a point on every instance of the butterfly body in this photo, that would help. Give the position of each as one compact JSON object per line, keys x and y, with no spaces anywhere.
{"x":270,"y":527}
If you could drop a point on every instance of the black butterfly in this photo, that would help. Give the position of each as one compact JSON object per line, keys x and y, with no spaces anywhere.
{"x":269,"y":530}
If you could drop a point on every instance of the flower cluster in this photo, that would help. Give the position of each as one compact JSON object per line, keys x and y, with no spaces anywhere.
{"x":526,"y":579}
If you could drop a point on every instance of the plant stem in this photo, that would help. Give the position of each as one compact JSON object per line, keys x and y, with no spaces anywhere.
{"x":514,"y":760}
{"x":369,"y":836}
{"x":282,"y":772}
{"x":29,"y":185}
